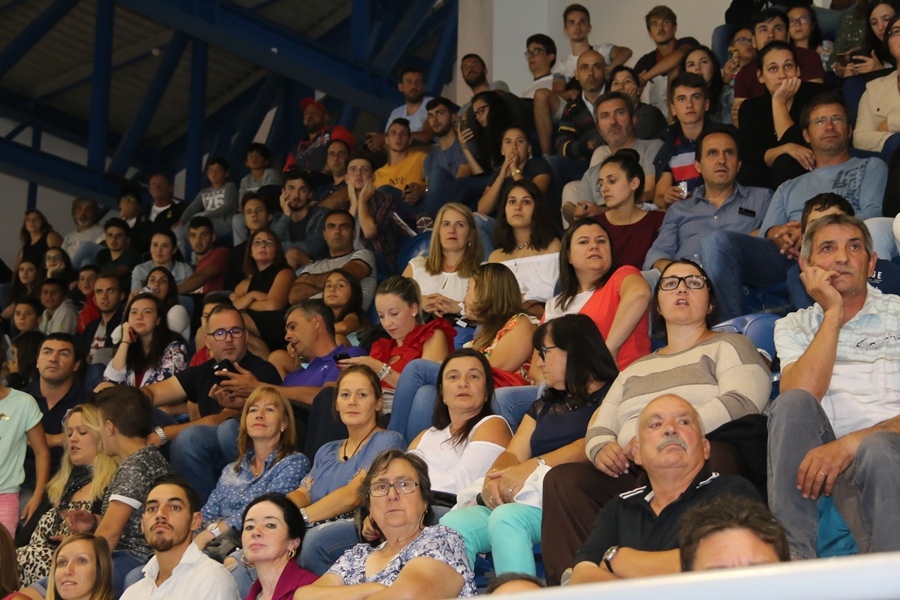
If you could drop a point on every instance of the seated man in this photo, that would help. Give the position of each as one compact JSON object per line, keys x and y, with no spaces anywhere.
{"x":412,"y":86}
{"x":577,"y":137}
{"x":404,"y":174}
{"x":310,"y":152}
{"x":734,"y":260}
{"x":218,"y":202}
{"x":83,"y":244}
{"x":300,"y":231}
{"x":201,"y":448}
{"x":887,"y":273}
{"x":95,"y":342}
{"x":730,"y":532}
{"x":649,"y":120}
{"x":676,"y":174}
{"x":834,"y":429}
{"x":339,"y":227}
{"x":655,"y":67}
{"x":118,"y":257}
{"x":261,"y":174}
{"x":719,"y":203}
{"x":616,"y":122}
{"x":212,"y":262}
{"x":178,"y":569}
{"x":635,"y":535}
{"x":60,"y":314}
{"x":334,"y":192}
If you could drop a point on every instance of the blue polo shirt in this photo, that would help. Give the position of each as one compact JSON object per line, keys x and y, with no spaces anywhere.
{"x":322,"y":369}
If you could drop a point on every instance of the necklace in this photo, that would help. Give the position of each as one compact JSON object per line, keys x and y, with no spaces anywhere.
{"x":523,"y":246}
{"x":344,"y":451}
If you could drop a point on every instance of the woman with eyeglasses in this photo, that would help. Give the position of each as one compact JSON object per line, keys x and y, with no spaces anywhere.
{"x":85,"y":472}
{"x":505,"y":518}
{"x":263,"y":295}
{"x":416,"y":560}
{"x":721,"y":374}
{"x":876,"y":121}
{"x":803,"y":28}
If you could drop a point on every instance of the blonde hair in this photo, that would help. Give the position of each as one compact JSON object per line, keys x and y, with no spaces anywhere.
{"x":288,"y":435}
{"x":474,"y":254}
{"x":497,"y":299}
{"x":104,"y":466}
{"x":103,"y":579}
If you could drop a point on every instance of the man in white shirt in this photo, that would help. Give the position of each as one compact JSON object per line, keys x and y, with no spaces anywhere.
{"x":83,"y":244}
{"x":412,"y":86}
{"x":178,"y":568}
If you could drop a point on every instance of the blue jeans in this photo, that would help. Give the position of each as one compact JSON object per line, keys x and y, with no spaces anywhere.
{"x":566,"y":169}
{"x":414,"y":398}
{"x":511,"y":403}
{"x":865,"y":494}
{"x":444,"y":187}
{"x":86,"y":255}
{"x":733,"y":260}
{"x":199,"y":454}
{"x":509,"y":532}
{"x":325,"y":543}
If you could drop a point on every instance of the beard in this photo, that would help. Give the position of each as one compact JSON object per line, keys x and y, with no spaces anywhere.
{"x":159,"y":542}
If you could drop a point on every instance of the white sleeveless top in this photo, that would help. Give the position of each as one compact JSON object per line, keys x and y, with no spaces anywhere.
{"x":452,"y":468}
{"x":450,"y":285}
{"x":537,"y":275}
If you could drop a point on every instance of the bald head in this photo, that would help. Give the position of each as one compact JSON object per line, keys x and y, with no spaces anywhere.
{"x":591,"y":72}
{"x":670,"y":435}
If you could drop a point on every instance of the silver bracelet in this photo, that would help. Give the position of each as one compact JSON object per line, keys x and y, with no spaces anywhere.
{"x":162,"y":435}
{"x":303,"y":514}
{"x":384,"y":372}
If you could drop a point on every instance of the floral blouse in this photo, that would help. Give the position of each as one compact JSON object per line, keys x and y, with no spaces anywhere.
{"x":437,"y":542}
{"x":174,"y":360}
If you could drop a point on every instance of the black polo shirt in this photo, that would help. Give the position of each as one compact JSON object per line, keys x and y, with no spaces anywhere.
{"x":629,"y":521}
{"x":197,"y":381}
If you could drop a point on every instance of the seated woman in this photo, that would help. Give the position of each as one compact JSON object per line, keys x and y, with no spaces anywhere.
{"x":21,"y":369}
{"x":873,"y":55}
{"x":614,"y":297}
{"x":721,"y":374}
{"x":24,"y":284}
{"x":163,"y":253}
{"x":328,"y":496}
{"x":491,"y":118}
{"x":162,"y":284}
{"x":343,"y":294}
{"x":455,"y":250}
{"x":493,"y":302}
{"x":771,"y":143}
{"x":93,"y":580}
{"x":702,"y":61}
{"x":877,"y":120}
{"x":518,"y":165}
{"x":415,"y":560}
{"x":37,"y":235}
{"x":578,"y":370}
{"x":272,"y":534}
{"x":805,"y":32}
{"x":266,"y":463}
{"x":84,"y":474}
{"x":631,"y":229}
{"x":149,"y":351}
{"x":263,"y":295}
{"x":526,"y":242}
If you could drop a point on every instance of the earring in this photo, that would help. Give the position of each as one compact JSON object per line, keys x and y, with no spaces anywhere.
{"x":247,"y":564}
{"x":292,"y":553}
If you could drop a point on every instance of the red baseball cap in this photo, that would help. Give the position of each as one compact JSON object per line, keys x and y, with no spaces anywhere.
{"x":339,"y":132}
{"x":307,"y":101}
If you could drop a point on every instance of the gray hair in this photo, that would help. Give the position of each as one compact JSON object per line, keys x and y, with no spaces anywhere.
{"x":836,"y":219}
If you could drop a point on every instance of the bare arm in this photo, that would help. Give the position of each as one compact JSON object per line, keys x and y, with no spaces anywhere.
{"x":277,"y":297}
{"x":41,"y":450}
{"x":514,"y":348}
{"x":332,"y":587}
{"x":618,"y":56}
{"x":634,"y":299}
{"x":198,"y":279}
{"x":423,"y":577}
{"x":665,"y":65}
{"x":165,"y":392}
{"x":113,"y":522}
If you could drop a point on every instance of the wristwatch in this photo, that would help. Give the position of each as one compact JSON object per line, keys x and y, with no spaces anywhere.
{"x":214,"y":529}
{"x":162,"y":435}
{"x":608,"y":556}
{"x":303,"y":514}
{"x":541,"y":462}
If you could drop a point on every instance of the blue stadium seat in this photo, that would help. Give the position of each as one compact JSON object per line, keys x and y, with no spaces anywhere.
{"x":760,"y":328}
{"x":413,"y":247}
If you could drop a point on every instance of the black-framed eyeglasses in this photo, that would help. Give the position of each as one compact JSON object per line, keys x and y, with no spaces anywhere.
{"x":383,"y":488}
{"x":542,"y":350}
{"x":691,"y":282}
{"x":221,"y":335}
{"x":534,"y":52}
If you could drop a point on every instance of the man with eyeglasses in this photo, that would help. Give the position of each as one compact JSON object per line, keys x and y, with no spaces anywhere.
{"x":769,"y":25}
{"x":202,"y":447}
{"x":735,"y":260}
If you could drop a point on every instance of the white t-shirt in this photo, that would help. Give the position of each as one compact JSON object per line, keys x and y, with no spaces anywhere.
{"x":566,"y":66}
{"x":416,"y":120}
{"x":542,"y":83}
{"x":552,"y":310}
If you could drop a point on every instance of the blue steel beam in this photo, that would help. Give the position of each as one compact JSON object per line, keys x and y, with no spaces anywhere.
{"x":47,"y":170}
{"x":396,"y":45}
{"x":32,"y":186}
{"x":103,"y":33}
{"x":35,"y":30}
{"x":276,"y":49}
{"x":444,"y":53}
{"x":196,"y":111}
{"x":252,"y":119}
{"x":359,"y":29}
{"x":154,"y":94}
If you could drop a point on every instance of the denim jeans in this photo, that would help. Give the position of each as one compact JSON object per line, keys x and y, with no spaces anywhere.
{"x":199,"y":454}
{"x":444,"y":187}
{"x":325,"y":543}
{"x":733,"y":260}
{"x":511,"y":403}
{"x":509,"y":532}
{"x":865,"y":494}
{"x":414,"y":398}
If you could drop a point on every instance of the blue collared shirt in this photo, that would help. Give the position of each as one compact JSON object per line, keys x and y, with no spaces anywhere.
{"x":689,"y":220}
